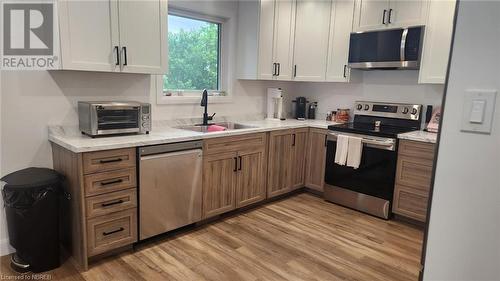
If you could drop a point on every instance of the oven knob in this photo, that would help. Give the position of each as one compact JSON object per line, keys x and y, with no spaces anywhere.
{"x":405,"y":110}
{"x":145,"y":124}
{"x":359,"y":106}
{"x":367,"y":106}
{"x":145,"y":117}
{"x":414,"y":111}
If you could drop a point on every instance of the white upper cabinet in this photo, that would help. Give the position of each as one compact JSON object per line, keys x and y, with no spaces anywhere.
{"x":284,"y":25}
{"x":266,"y":32}
{"x":143,"y":36}
{"x":437,"y":42}
{"x":381,"y":14}
{"x":312,"y":24}
{"x":114,"y":36}
{"x":89,"y":43}
{"x":370,"y":14}
{"x":265,"y":39}
{"x":404,"y":13}
{"x":338,"y":46}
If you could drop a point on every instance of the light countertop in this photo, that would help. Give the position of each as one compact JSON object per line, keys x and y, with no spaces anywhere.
{"x":71,"y":138}
{"x":421,"y":136}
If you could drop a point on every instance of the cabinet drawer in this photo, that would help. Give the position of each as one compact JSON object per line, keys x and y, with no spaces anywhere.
{"x":100,"y":183}
{"x":410,"y":203}
{"x":111,"y":202}
{"x":414,"y":172}
{"x":416,"y":149}
{"x":108,"y":160}
{"x":112,"y":231}
{"x":234,"y":143}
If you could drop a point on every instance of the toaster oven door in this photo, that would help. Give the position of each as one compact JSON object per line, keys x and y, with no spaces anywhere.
{"x":117,"y":120}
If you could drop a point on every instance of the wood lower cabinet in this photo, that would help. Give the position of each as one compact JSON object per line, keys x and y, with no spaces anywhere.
{"x":236,"y":177}
{"x":287,"y":159}
{"x":413,"y":179}
{"x":279,"y":172}
{"x":102,"y":213}
{"x":219,"y":181}
{"x":316,"y":157}
{"x":251,"y":184}
{"x":299,"y":151}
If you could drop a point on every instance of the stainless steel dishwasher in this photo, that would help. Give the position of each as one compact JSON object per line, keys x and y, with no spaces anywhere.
{"x":170,"y":177}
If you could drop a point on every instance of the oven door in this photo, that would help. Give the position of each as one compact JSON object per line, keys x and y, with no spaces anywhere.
{"x":117,"y":119}
{"x":376,"y":173}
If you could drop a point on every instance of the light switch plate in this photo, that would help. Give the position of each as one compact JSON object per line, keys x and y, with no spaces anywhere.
{"x":478,"y":111}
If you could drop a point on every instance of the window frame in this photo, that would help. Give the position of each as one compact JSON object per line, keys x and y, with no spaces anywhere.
{"x":222,"y":95}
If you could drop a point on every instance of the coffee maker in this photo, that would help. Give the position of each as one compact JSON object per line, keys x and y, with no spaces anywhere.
{"x":300,"y":108}
{"x":275,"y":104}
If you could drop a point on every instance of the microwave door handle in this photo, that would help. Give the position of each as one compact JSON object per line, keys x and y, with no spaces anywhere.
{"x":402,"y":50}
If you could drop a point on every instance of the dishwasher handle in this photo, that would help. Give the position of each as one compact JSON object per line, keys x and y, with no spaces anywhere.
{"x":169,"y":147}
{"x":177,"y":153}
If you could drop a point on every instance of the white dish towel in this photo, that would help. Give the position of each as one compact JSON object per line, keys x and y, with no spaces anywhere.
{"x":354,"y":151}
{"x":341,"y":151}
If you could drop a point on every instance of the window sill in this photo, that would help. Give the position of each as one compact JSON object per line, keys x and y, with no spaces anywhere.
{"x":192,"y":100}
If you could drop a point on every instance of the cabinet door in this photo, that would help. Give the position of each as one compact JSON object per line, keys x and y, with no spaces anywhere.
{"x":299,"y":149}
{"x":143,"y":36}
{"x":369,"y":14}
{"x":266,"y":32}
{"x":219,"y":182}
{"x":316,"y":157}
{"x":407,"y":13}
{"x":437,"y":42}
{"x":279,"y":172}
{"x":251,"y":186}
{"x":89,"y":42}
{"x":338,"y":46}
{"x":284,"y":25}
{"x":311,"y":33}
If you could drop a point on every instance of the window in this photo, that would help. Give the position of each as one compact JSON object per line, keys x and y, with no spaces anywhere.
{"x":194,"y":46}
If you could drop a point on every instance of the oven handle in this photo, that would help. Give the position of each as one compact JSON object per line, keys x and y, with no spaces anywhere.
{"x":379,"y":143}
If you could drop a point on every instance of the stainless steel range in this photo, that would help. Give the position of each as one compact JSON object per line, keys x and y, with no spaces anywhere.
{"x":369,"y":188}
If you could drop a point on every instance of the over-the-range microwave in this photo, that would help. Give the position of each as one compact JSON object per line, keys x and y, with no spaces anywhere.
{"x":109,"y":118}
{"x":386,"y":49}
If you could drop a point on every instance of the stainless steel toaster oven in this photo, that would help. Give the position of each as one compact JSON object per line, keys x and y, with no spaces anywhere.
{"x":110,"y":118}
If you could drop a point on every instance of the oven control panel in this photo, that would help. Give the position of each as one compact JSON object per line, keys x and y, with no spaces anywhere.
{"x":390,"y":110}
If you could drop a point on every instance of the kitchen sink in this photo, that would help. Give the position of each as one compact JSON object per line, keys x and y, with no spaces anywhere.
{"x":204,"y":128}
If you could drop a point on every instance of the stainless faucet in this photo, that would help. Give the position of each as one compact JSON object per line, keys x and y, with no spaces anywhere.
{"x":204,"y":102}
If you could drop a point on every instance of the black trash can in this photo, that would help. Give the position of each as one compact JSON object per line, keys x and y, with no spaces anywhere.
{"x":31,"y":199}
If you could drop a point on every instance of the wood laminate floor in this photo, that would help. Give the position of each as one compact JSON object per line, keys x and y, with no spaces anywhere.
{"x":298,"y":238}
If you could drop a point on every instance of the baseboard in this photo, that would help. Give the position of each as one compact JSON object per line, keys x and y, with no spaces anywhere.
{"x":5,"y":247}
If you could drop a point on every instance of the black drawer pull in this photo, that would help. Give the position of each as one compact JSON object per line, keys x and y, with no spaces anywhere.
{"x":114,"y":231}
{"x":110,"y":160}
{"x":111,"y":182}
{"x":235,"y":164}
{"x":112,"y":203}
{"x":293,"y":143}
{"x":239,"y":157}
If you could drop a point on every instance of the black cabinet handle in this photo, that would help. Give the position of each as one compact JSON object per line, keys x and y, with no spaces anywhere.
{"x":117,"y":50}
{"x":125,"y":54}
{"x":235,"y":164}
{"x":114,"y":231}
{"x":293,"y":140}
{"x":110,"y":160}
{"x":389,"y":17}
{"x":295,"y":71}
{"x":383,"y":17}
{"x":279,"y":69}
{"x":345,"y":68}
{"x":239,"y":157}
{"x":326,"y":140}
{"x":111,"y":203}
{"x":111,"y":182}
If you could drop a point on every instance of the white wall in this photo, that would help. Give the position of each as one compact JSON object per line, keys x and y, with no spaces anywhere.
{"x":380,"y":85}
{"x":464,"y":231}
